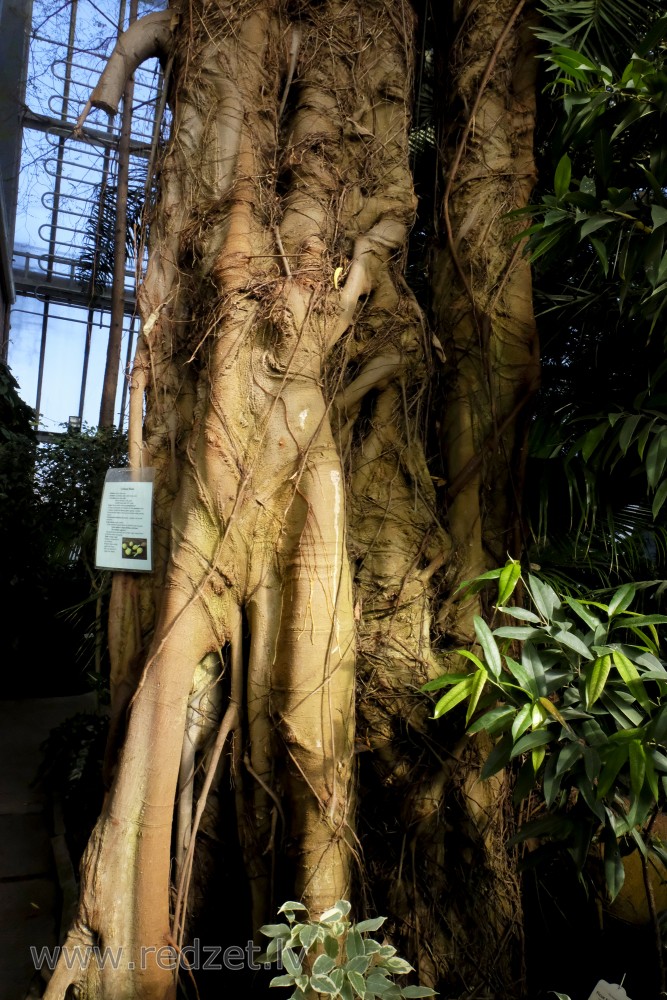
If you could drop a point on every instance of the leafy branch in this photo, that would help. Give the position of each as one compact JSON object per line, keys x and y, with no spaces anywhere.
{"x":334,"y":957}
{"x":575,"y":691}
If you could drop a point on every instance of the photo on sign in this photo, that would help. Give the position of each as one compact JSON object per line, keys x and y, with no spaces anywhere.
{"x":134,"y":548}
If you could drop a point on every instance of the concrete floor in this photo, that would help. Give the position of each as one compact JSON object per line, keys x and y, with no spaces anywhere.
{"x":30,"y":898}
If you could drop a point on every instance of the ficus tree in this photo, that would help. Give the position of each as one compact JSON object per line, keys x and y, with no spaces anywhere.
{"x":306,"y":570}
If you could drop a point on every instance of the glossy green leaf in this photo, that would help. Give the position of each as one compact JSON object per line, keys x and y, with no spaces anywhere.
{"x":286,"y":980}
{"x":522,"y":632}
{"x":524,"y":674}
{"x":453,"y":697}
{"x":579,"y":609}
{"x":323,"y":984}
{"x":563,"y":175}
{"x":614,"y":761}
{"x":613,"y":865}
{"x":445,"y":680}
{"x":528,"y":742}
{"x":509,"y":577}
{"x":322,"y":965}
{"x":596,"y":678}
{"x":659,"y":499}
{"x":521,"y":721}
{"x":373,"y":924}
{"x":498,"y":758}
{"x":479,"y":680}
{"x":637,"y":758}
{"x":471,"y":656}
{"x":622,"y":599}
{"x":489,"y":645}
{"x":493,"y":721}
{"x":656,"y":458}
{"x":630,"y":675}
{"x":573,"y":642}
{"x":544,"y":597}
{"x":521,"y":613}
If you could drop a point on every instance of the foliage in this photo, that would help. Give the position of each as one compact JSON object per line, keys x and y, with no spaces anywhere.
{"x":581,"y":706}
{"x":348,"y":962}
{"x":69,"y":479}
{"x":609,"y":194}
{"x":95,"y":265}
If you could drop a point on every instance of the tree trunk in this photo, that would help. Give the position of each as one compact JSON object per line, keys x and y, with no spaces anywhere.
{"x":298,"y":546}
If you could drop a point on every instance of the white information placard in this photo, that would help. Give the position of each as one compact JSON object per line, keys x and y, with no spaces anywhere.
{"x":608,"y":991}
{"x":124,"y":529}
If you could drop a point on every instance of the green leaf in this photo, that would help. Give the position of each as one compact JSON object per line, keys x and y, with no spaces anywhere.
{"x":563,"y":175}
{"x":596,"y":678}
{"x":488,"y":644}
{"x":323,"y":984}
{"x":568,"y":757}
{"x":445,"y":680}
{"x":290,"y":962}
{"x":544,"y":597}
{"x":373,"y":924}
{"x":637,"y":759}
{"x":658,"y":216}
{"x":453,"y":697}
{"x":322,"y":965}
{"x":308,"y":936}
{"x":331,"y":946}
{"x":615,"y":760}
{"x":594,"y":223}
{"x":479,"y":681}
{"x":493,"y":721}
{"x":479,"y":581}
{"x":509,"y":577}
{"x":415,"y":992}
{"x":471,"y":656}
{"x":522,"y":721}
{"x":586,"y":616}
{"x":656,"y":457}
{"x":521,"y":613}
{"x":574,"y":643}
{"x":358,"y":964}
{"x":275,"y":930}
{"x":613,"y":865}
{"x":659,"y":499}
{"x":530,"y":741}
{"x":524,"y":674}
{"x":522,"y":632}
{"x":354,"y":944}
{"x":623,"y":597}
{"x":498,"y":758}
{"x":603,"y":256}
{"x":630,"y":675}
{"x":282,"y":981}
{"x":551,"y":781}
{"x":357,"y":982}
{"x":627,"y":431}
{"x":291,"y":907}
{"x":398,"y":966}
{"x":531,"y":658}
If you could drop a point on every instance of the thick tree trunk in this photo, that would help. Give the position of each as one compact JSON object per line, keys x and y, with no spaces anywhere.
{"x":298,"y":546}
{"x":287,"y":169}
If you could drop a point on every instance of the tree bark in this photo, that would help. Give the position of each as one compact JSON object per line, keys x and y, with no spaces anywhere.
{"x":299,"y":548}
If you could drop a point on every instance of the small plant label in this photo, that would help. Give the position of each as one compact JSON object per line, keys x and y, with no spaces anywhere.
{"x":608,"y":991}
{"x":124,"y":529}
